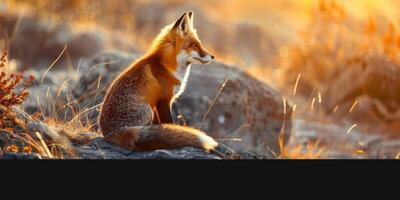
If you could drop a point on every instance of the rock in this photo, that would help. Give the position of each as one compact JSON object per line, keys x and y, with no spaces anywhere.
{"x":334,"y":140}
{"x":245,"y":107}
{"x":373,"y":83}
{"x":22,"y":115}
{"x":83,"y":138}
{"x":18,"y":156}
{"x":389,"y":149}
{"x":37,"y":42}
{"x":366,"y":79}
{"x":30,"y":128}
{"x":304,"y":130}
{"x":49,"y":96}
{"x":101,"y":149}
{"x":104,"y":66}
{"x":49,"y":133}
{"x":86,"y":145}
{"x":86,"y":44}
{"x":250,"y":156}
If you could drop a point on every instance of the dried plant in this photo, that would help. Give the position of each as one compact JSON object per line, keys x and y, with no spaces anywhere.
{"x":8,"y":83}
{"x":19,"y":139}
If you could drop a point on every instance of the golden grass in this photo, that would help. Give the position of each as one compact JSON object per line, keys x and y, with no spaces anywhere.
{"x":27,"y":141}
{"x":335,"y":37}
{"x":323,"y":37}
{"x":308,"y":151}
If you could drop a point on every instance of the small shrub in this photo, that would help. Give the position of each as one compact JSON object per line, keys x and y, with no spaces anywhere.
{"x":8,"y":83}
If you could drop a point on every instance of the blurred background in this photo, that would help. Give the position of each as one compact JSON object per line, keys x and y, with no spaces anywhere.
{"x":335,"y":61}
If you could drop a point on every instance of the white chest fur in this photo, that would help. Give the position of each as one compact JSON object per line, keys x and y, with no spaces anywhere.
{"x":182,"y":74}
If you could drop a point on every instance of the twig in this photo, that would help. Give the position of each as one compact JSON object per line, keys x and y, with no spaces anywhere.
{"x":213,"y":102}
{"x":54,"y":62}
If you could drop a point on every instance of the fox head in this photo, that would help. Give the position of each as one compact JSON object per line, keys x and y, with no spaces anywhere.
{"x":180,"y":41}
{"x":188,"y":45}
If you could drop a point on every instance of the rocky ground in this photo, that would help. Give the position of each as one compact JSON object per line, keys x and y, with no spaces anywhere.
{"x":83,"y":145}
{"x":220,"y":99}
{"x":254,"y":116}
{"x":238,"y":110}
{"x":256,"y":120}
{"x":335,"y":142}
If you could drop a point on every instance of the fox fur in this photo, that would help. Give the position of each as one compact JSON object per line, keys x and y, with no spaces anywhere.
{"x":136,"y":112}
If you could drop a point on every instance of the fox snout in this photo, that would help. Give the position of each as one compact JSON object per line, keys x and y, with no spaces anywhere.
{"x":206,"y":56}
{"x":202,"y":55}
{"x":196,"y":57}
{"x":202,"y":58}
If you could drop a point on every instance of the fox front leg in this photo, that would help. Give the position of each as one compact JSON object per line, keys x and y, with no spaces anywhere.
{"x":156,"y":118}
{"x":177,"y":116}
{"x":164,"y":112}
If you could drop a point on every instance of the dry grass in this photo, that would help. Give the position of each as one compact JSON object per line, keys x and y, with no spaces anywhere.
{"x":339,"y":35}
{"x":14,"y":133}
{"x":332,"y":42}
{"x":308,"y":151}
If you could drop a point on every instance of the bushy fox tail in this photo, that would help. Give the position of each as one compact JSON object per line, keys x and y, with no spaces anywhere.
{"x":161,"y":136}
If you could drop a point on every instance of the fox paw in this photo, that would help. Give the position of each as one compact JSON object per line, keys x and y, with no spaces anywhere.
{"x":177,"y":117}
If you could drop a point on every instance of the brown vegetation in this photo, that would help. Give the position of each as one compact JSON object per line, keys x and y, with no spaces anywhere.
{"x":342,"y":66}
{"x":353,"y":64}
{"x":8,"y":83}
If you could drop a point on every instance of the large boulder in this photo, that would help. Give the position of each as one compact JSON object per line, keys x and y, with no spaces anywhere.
{"x":229,"y":104}
{"x":95,"y":78}
{"x":373,"y":84}
{"x":243,"y":108}
{"x":36,"y":42}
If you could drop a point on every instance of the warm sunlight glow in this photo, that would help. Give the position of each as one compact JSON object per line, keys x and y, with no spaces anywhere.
{"x":282,"y":79}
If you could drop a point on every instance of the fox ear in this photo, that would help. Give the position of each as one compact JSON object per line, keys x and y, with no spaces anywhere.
{"x":190,"y":13}
{"x":182,"y":25}
{"x":178,"y":21}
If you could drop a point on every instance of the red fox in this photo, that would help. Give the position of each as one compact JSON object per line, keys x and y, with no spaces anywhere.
{"x":136,"y":112}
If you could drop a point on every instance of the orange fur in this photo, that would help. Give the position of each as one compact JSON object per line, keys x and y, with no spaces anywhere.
{"x":136,"y":112}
